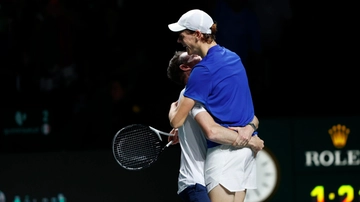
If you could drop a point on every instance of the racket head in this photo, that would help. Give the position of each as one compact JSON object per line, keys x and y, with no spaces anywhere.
{"x":136,"y":147}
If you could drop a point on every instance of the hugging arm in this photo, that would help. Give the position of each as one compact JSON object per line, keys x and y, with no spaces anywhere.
{"x":179,"y":111}
{"x":227,"y":136}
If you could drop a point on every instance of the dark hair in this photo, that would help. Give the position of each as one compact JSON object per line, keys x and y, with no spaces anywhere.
{"x":174,"y":73}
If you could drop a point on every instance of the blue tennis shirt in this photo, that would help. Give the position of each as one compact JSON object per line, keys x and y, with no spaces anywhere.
{"x":220,"y":83}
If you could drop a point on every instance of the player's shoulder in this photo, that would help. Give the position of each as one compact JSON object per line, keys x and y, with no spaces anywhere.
{"x":198,"y":107}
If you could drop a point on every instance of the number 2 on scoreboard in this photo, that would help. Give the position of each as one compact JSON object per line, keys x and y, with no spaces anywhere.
{"x":319,"y":193}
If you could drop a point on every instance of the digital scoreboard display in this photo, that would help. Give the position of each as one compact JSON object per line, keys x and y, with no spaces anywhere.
{"x":26,"y":121}
{"x":328,"y":187}
{"x":26,"y":129}
{"x":327,"y":160}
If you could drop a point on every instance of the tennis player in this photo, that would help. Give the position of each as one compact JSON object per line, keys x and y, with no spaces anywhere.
{"x":191,"y":183}
{"x":220,"y":83}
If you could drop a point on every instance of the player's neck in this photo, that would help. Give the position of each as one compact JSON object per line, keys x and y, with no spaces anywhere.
{"x":206,"y":47}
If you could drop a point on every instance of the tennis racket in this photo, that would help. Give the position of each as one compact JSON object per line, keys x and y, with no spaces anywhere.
{"x":138,"y":146}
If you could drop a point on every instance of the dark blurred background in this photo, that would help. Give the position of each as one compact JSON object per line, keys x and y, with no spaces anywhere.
{"x":98,"y":65}
{"x":73,"y":72}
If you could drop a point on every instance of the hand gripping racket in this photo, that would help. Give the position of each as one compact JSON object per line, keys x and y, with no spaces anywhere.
{"x":138,"y":146}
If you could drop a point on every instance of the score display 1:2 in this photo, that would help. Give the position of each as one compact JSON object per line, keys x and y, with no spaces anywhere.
{"x":345,"y":193}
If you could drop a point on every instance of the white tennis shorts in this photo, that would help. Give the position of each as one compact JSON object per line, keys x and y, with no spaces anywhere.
{"x":235,"y":169}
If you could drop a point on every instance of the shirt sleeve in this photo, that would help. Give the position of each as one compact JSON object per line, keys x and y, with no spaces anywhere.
{"x":198,"y":107}
{"x":199,"y":85}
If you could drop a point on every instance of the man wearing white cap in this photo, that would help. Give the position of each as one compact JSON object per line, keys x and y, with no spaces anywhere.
{"x":220,"y":83}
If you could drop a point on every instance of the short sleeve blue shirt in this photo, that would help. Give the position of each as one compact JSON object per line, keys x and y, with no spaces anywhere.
{"x":220,"y":83}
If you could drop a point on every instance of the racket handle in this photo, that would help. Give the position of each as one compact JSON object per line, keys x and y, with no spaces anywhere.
{"x":168,"y":144}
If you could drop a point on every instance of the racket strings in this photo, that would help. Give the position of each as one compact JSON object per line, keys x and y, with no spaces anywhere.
{"x":137,"y":147}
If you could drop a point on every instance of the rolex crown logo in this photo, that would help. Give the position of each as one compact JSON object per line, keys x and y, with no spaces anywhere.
{"x":339,"y":134}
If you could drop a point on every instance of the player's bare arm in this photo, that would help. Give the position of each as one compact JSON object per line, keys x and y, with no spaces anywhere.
{"x":222,"y":135}
{"x":179,"y":111}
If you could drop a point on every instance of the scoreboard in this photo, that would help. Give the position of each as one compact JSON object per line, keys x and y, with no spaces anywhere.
{"x":27,"y":129}
{"x":312,"y":160}
{"x":26,"y":121}
{"x":327,"y":159}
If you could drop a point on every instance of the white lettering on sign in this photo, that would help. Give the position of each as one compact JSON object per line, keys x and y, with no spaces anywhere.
{"x":332,"y":158}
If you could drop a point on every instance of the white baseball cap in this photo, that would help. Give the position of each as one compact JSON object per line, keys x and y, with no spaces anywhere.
{"x":193,"y":20}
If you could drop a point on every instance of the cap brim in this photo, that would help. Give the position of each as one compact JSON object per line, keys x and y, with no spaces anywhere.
{"x":175,"y":27}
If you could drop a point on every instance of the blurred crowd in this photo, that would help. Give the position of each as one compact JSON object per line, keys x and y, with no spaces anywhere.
{"x":67,"y":56}
{"x":93,"y":63}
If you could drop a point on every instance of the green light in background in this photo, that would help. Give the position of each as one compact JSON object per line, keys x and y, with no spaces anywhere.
{"x":61,"y":198}
{"x":17,"y":199}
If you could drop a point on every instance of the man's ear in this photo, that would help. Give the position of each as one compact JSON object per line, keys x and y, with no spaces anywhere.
{"x":198,"y":34}
{"x":184,"y":67}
